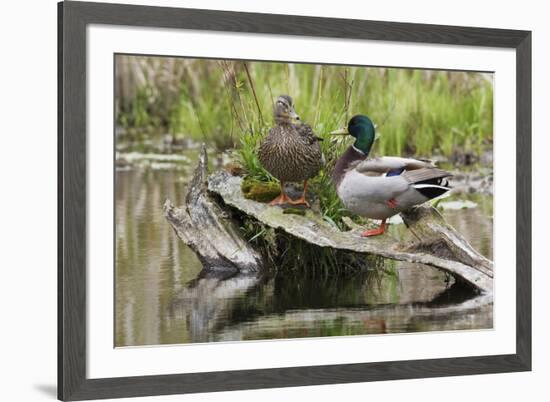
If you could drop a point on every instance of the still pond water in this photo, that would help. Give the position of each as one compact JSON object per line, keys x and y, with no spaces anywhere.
{"x":162,"y":299}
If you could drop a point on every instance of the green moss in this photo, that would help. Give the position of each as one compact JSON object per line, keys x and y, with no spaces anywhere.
{"x":294,"y":211}
{"x":260,"y":191}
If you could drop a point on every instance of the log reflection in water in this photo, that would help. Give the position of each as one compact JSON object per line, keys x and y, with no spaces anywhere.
{"x":238,"y":307}
{"x":208,"y":300}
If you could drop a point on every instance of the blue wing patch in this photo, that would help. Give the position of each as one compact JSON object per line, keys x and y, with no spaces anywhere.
{"x":395,"y":172}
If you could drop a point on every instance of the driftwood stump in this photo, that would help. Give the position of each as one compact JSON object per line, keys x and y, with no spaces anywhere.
{"x":204,"y":224}
{"x":209,"y":230}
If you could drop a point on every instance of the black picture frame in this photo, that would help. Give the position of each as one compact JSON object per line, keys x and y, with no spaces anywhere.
{"x":73,"y":18}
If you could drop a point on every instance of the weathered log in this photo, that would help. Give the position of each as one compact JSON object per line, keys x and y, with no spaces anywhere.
{"x":437,"y":237}
{"x":205,"y":227}
{"x":441,"y":246}
{"x":205,"y":224}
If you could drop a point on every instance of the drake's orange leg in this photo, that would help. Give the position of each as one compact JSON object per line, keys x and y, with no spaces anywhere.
{"x":375,"y":232}
{"x":302,"y":200}
{"x":282,"y":198}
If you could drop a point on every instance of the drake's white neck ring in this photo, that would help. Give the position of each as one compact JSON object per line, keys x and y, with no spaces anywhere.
{"x":358,"y":150}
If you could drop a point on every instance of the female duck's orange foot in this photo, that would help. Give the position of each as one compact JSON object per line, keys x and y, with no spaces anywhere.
{"x":375,"y":232}
{"x":300,"y":201}
{"x":282,"y":199}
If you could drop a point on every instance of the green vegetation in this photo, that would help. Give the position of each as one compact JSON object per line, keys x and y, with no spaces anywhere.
{"x":229,"y":103}
{"x":290,"y":255}
{"x":258,"y":190}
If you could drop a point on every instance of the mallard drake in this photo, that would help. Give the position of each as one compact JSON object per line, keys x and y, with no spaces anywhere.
{"x":379,"y":188}
{"x":291,"y":151}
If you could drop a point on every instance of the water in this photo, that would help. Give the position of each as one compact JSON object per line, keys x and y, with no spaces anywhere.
{"x":161,"y":298}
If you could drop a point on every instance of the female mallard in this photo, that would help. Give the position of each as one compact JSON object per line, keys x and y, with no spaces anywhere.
{"x":379,"y":188}
{"x":290,"y":152}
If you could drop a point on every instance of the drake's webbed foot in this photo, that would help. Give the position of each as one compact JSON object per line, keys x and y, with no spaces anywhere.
{"x":375,"y":232}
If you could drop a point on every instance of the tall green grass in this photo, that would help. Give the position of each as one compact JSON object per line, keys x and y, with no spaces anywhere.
{"x":417,"y":112}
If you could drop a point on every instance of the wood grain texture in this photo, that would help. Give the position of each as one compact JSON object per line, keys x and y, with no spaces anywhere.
{"x":72,"y":176}
{"x":523,"y":201}
{"x":294,"y":376}
{"x":74,"y":17}
{"x":203,"y":225}
{"x":230,"y":21}
{"x":60,"y":220}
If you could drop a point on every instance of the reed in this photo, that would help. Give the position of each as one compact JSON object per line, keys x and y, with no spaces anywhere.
{"x":417,"y":112}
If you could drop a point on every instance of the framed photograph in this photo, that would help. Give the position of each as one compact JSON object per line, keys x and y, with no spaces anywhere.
{"x":256,"y":201}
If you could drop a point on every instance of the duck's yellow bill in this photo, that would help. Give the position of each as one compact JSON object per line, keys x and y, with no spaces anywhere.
{"x":340,"y":131}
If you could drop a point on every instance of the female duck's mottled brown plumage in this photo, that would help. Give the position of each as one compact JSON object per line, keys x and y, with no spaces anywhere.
{"x":290,"y":152}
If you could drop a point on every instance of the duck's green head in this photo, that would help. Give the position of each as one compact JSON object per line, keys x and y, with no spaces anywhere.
{"x":361,"y":128}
